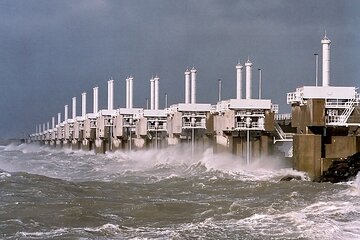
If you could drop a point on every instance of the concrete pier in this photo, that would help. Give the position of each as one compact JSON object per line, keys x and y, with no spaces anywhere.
{"x":325,"y":119}
{"x":244,"y":127}
{"x":188,"y":123}
{"x":324,"y":123}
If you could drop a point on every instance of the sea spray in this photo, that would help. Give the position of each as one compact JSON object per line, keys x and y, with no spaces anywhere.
{"x":175,"y":159}
{"x":166,"y":193}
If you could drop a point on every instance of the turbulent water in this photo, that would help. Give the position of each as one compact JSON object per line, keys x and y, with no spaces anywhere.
{"x":166,"y":194}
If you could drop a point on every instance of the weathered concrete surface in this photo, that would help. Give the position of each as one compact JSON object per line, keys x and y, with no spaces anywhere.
{"x":307,"y":154}
{"x":341,"y":170}
{"x":340,"y":146}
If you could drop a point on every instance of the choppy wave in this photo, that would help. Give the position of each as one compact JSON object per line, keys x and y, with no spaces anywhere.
{"x":65,"y":194}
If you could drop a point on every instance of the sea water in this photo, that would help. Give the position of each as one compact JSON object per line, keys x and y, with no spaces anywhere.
{"x":166,"y":194}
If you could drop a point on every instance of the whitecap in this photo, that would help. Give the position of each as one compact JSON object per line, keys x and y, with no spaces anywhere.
{"x":107,"y":228}
{"x":51,"y":233}
{"x":4,"y":175}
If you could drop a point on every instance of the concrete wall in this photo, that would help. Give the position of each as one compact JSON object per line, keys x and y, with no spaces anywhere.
{"x":310,"y":115}
{"x":315,"y":112}
{"x":174,"y":123}
{"x":269,"y":121}
{"x":260,"y":145}
{"x":307,"y":154}
{"x":341,"y":146}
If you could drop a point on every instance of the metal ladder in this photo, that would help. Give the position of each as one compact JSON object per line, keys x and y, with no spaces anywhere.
{"x":348,"y":110}
{"x":283,"y":136}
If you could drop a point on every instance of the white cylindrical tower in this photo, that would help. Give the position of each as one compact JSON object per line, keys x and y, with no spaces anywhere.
{"x":96,"y":99}
{"x":53,"y":122}
{"x":59,"y":118}
{"x":239,"y":69}
{"x":127,"y":92}
{"x":152,"y":94}
{"x":193,"y":85}
{"x":156,"y":92}
{"x":48,"y":126}
{"x":131,"y":92}
{"x":44,"y":129}
{"x":260,"y":83}
{"x":66,"y":112}
{"x":248,"y":72}
{"x":325,"y":61}
{"x":110,"y":94}
{"x":36,"y":129}
{"x":83,"y":104}
{"x":187,"y":86}
{"x":39,"y":128}
{"x":73,"y":107}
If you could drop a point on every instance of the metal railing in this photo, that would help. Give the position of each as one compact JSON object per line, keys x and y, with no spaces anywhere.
{"x":341,"y":120}
{"x":255,"y":113}
{"x":275,"y":108}
{"x":196,"y":125}
{"x":335,"y":103}
{"x":196,"y":115}
{"x":251,"y":126}
{"x":151,"y":127}
{"x":292,"y":97}
{"x":283,"y":116}
{"x":283,"y":136}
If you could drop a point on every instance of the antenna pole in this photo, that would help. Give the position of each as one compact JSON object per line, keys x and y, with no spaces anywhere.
{"x":260,"y":83}
{"x":219,"y":89}
{"x":316,"y":68}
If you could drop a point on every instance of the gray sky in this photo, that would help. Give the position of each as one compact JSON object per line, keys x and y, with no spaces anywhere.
{"x":52,"y":50}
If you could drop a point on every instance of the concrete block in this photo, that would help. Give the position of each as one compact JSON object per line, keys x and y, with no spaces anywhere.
{"x":307,"y":154}
{"x":176,"y":123}
{"x":341,"y":147}
{"x":228,"y":120}
{"x":141,"y":127}
{"x":269,"y":121}
{"x":315,"y":112}
{"x":118,"y":126}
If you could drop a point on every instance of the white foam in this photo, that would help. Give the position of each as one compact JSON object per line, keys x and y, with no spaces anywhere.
{"x":320,"y":220}
{"x":27,"y":148}
{"x":10,"y":147}
{"x":107,"y":229}
{"x":4,"y":175}
{"x":85,"y":165}
{"x":354,"y":189}
{"x":51,"y":233}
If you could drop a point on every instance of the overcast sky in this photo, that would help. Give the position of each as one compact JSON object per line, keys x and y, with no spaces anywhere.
{"x":53,"y":50}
